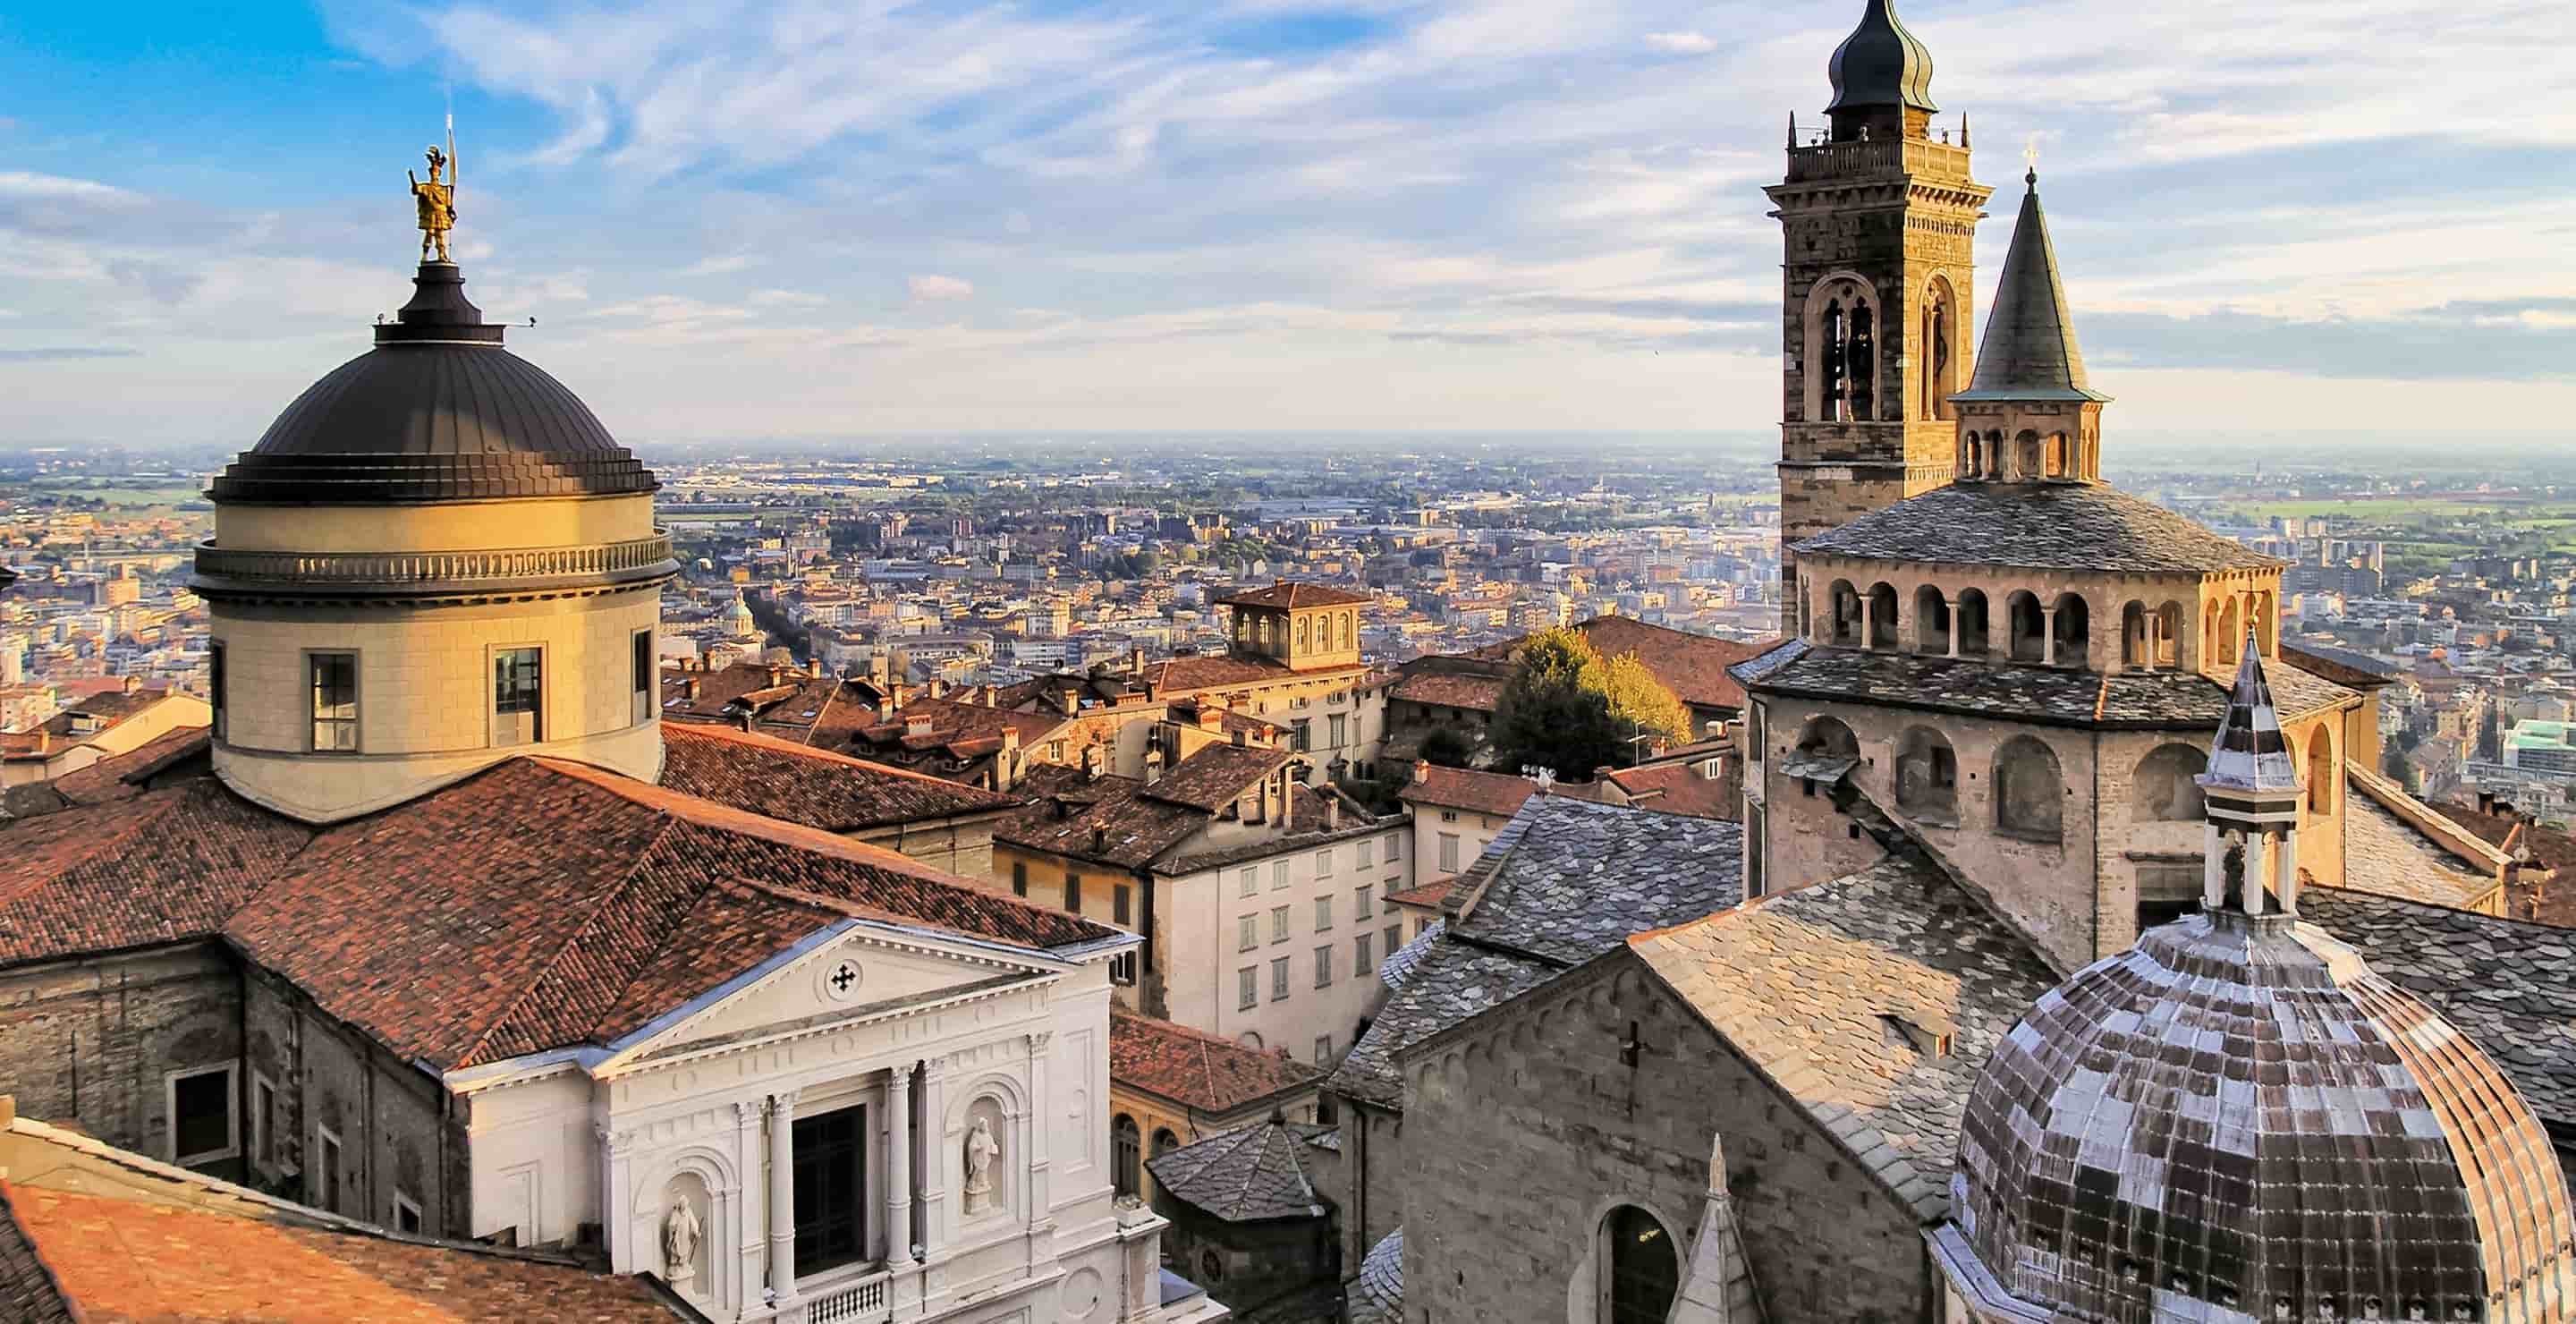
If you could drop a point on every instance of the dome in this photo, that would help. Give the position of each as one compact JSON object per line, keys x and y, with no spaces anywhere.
{"x":1881,"y":64}
{"x":437,"y":411}
{"x":2238,"y":1120}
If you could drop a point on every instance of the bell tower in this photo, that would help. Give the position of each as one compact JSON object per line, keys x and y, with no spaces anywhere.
{"x":1879,"y":218}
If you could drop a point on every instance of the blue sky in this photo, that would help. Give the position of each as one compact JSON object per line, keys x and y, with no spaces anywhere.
{"x":742,"y":220}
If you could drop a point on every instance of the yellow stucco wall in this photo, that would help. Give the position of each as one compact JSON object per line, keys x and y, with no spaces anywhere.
{"x":461,"y":526}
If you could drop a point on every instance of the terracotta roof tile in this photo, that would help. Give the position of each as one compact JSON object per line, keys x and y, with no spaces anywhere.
{"x":820,"y":789}
{"x":1292,"y":594}
{"x":136,"y":1259}
{"x":164,"y":866}
{"x":1451,"y":689}
{"x":594,"y":903}
{"x":1212,"y":778}
{"x":1060,"y":817}
{"x":1196,"y":1069}
{"x":1496,"y":793}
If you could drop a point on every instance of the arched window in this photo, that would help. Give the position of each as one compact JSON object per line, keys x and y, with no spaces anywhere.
{"x":1643,"y":1269}
{"x":2026,"y":456}
{"x":1164,"y":1141}
{"x":1931,"y":622}
{"x":1927,"y":777}
{"x":2071,"y":624}
{"x":1125,"y":1158}
{"x":1837,"y":385}
{"x":2321,"y":774}
{"x":2231,"y":632}
{"x":1828,"y":737}
{"x":1936,"y":355}
{"x":2030,"y":795}
{"x":1975,"y":639}
{"x":1843,"y":622}
{"x":1861,"y":362}
{"x":2169,"y":618}
{"x":2162,"y":791}
{"x":1302,"y":623}
{"x":2026,"y":628}
{"x":2060,"y":458}
{"x":2137,"y":644}
{"x":1348,"y":627}
{"x":1882,"y":617}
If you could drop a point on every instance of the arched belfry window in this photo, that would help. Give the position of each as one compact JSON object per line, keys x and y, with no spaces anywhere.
{"x":1837,"y":382}
{"x":1936,"y":354}
{"x":1642,"y":1269}
{"x":1860,"y":361}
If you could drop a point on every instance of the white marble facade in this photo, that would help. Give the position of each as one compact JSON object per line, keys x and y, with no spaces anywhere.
{"x":929,"y":1035}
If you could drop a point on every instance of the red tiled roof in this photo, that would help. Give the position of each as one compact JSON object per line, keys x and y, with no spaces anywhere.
{"x":1174,"y":677}
{"x":164,"y":866}
{"x":1450,"y":689}
{"x":1692,"y":666}
{"x":593,"y":904}
{"x":1195,"y":1069}
{"x":143,"y":1259}
{"x":1428,"y":896}
{"x":1134,"y":830}
{"x":121,"y":777}
{"x":1212,"y":778}
{"x":1678,"y":788}
{"x":1495,"y":793}
{"x":1292,"y":594}
{"x":820,"y":789}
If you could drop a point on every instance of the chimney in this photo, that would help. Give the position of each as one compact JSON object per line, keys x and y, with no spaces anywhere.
{"x":938,"y":689}
{"x":742,"y":719}
{"x":1211,"y":718}
{"x":1153,"y":765}
{"x":916,"y":726}
{"x":691,"y":689}
{"x":1136,"y":658}
{"x":2486,"y":802}
{"x":1421,"y":771}
{"x":1099,"y":834}
{"x":1332,"y":812}
{"x":1071,"y":697}
{"x":1006,"y":765}
{"x":1238,"y":737}
{"x":777,"y":673}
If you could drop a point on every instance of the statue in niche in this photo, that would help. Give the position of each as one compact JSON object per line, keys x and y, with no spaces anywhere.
{"x":680,"y":1232}
{"x":980,"y":1149}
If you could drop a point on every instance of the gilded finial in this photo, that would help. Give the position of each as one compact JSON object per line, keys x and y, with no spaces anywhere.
{"x":434,"y":199}
{"x":2030,"y":161}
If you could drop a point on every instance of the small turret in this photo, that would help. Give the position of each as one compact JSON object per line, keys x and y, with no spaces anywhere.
{"x":2029,"y":414}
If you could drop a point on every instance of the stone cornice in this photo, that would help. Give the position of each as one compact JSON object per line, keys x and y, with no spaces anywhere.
{"x":227,"y":574}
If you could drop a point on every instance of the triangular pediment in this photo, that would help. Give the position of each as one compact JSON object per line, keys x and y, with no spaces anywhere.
{"x":853,"y":972}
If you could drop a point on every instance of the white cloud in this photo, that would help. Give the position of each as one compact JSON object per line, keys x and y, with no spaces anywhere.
{"x":939,"y":289}
{"x":786,"y":299}
{"x":1682,"y":43}
{"x":721,"y":264}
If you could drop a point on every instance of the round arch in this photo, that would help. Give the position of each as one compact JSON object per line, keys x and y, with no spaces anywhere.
{"x":1927,"y":776}
{"x":2030,"y":792}
{"x":1829,"y":737}
{"x":2162,"y":790}
{"x":1937,"y":357}
{"x":2026,"y":627}
{"x":1852,"y":298}
{"x":1931,"y":621}
{"x":1882,"y":617}
{"x":2070,"y":641}
{"x":1842,"y":614}
{"x":1126,"y":1155}
{"x":2320,"y":767}
{"x":1976,"y":636}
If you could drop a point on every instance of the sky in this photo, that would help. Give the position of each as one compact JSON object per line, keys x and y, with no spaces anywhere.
{"x":737,"y":220}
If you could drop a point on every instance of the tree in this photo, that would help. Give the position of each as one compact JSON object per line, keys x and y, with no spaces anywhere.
{"x":1555,"y":713}
{"x":1447,"y":748}
{"x":1641,"y":701}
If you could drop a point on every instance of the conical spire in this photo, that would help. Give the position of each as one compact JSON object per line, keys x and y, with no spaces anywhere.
{"x":2250,"y":755}
{"x":2029,"y":351}
{"x":1881,"y":64}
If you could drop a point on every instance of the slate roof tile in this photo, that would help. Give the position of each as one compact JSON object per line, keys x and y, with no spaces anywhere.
{"x":2039,"y":526}
{"x":1806,"y":982}
{"x":1243,"y":1176}
{"x":2151,"y":699}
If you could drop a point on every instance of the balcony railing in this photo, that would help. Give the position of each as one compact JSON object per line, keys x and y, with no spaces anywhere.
{"x":398,"y":572}
{"x":862,"y":1302}
{"x":1860,"y":158}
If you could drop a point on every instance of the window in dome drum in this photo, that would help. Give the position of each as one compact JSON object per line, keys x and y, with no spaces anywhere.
{"x":644,"y":677}
{"x":335,"y":702}
{"x":518,"y":696}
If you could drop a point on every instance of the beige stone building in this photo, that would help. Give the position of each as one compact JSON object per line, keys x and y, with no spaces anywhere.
{"x":2025,"y":664}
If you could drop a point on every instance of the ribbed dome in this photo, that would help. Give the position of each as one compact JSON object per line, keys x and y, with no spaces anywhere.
{"x":1881,"y":64}
{"x":437,"y":411}
{"x":2238,"y":1113}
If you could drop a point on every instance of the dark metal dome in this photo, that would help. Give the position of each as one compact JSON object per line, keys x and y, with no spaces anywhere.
{"x":2238,"y":1113}
{"x":1881,"y":64}
{"x":437,"y":411}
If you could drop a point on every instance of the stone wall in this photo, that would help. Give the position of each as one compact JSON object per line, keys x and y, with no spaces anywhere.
{"x":395,"y":1134}
{"x":91,"y":1042}
{"x":1526,"y":1128}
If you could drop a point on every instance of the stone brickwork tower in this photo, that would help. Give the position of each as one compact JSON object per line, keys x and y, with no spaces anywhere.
{"x":1879,"y":216}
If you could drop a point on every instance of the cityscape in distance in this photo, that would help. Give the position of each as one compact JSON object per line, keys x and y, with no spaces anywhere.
{"x":1126,"y":663}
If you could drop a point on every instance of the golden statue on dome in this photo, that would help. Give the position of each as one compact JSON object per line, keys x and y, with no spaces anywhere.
{"x":436,"y":200}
